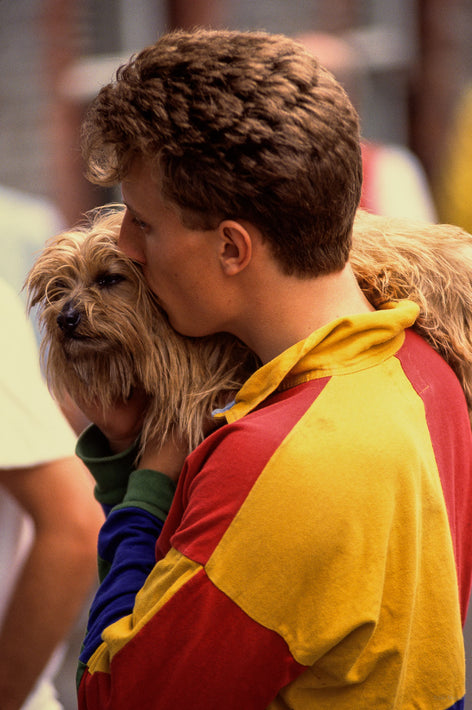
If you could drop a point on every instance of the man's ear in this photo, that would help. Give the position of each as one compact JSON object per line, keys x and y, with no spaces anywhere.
{"x":235,"y":246}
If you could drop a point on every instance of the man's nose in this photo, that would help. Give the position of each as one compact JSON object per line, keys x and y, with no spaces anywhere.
{"x":129,"y":240}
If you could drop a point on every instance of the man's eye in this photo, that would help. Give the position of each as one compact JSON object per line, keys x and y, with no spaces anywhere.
{"x":139,"y":223}
{"x":108,"y":280}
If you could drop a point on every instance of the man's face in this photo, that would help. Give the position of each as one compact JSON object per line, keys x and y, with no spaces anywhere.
{"x":179,"y":264}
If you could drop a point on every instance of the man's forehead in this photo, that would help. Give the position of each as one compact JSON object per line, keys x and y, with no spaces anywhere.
{"x":139,"y":170}
{"x":142,"y":195}
{"x":140,"y":184}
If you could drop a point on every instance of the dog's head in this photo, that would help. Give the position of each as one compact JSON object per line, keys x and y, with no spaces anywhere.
{"x":98,"y":318}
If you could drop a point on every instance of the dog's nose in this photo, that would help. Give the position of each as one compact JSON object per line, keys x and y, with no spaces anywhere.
{"x":68,"y":319}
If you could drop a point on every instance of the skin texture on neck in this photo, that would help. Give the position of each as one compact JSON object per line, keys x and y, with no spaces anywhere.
{"x":277,"y":310}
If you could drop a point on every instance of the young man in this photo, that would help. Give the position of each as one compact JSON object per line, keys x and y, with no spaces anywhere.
{"x":307,"y":559}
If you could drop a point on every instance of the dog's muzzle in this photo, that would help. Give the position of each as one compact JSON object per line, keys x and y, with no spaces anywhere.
{"x":68,"y":319}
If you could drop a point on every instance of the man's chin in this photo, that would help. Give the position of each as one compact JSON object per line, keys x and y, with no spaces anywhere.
{"x":185,"y":327}
{"x":189,"y":330}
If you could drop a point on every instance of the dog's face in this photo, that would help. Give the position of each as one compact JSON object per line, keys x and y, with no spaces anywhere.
{"x":99,"y":319}
{"x":83,"y":303}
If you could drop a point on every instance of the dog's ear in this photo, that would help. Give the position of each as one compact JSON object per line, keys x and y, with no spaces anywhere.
{"x":235,"y":246}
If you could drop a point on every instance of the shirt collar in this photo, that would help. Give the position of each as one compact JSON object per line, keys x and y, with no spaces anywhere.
{"x":347,"y":344}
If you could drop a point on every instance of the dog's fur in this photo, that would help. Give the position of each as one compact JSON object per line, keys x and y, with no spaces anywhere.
{"x":105,"y":334}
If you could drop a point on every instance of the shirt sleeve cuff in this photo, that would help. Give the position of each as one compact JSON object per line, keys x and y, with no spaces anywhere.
{"x":151,"y":491}
{"x":110,"y":471}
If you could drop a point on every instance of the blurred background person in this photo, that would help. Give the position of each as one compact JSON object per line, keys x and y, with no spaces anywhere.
{"x":455,"y":182}
{"x":49,"y":522}
{"x":26,"y":222}
{"x":395,"y":183}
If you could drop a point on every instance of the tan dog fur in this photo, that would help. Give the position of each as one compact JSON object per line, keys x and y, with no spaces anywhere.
{"x":123,"y":339}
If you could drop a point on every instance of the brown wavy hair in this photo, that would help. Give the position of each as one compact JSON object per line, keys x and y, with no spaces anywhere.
{"x":239,"y":125}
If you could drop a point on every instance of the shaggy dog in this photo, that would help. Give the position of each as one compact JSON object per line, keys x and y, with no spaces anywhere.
{"x":104,"y":333}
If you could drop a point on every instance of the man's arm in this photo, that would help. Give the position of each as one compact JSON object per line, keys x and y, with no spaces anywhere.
{"x":136,"y":503}
{"x":57,"y":575}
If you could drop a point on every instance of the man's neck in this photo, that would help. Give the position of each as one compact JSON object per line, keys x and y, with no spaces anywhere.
{"x":285,"y":309}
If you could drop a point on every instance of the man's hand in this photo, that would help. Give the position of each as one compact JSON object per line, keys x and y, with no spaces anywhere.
{"x":167,"y":457}
{"x":121,"y":423}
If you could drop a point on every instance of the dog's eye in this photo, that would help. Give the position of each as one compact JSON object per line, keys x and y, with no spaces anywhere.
{"x":56,"y":290}
{"x":108,"y":280}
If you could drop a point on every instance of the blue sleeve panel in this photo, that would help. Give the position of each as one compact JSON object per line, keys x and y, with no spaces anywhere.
{"x":126,"y":551}
{"x":136,"y":503}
